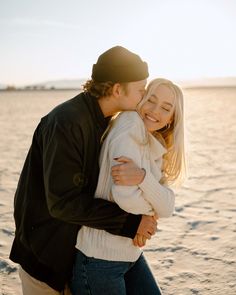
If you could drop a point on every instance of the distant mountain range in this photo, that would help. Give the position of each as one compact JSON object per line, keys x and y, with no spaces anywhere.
{"x":209,"y":82}
{"x":2,"y":86}
{"x":77,"y":84}
{"x":58,"y":84}
{"x":48,"y":85}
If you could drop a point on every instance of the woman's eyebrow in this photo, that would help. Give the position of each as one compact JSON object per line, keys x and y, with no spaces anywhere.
{"x":165,"y":102}
{"x":154,"y":95}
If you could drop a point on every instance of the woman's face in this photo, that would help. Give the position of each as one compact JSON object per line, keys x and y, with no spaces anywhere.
{"x":158,"y":110}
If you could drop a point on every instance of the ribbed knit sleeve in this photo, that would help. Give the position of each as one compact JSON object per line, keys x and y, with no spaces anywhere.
{"x":161,"y":197}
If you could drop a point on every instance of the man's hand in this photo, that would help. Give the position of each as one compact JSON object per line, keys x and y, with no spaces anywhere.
{"x":127,"y":172}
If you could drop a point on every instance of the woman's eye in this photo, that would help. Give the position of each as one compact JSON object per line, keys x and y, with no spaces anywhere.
{"x":150,"y":100}
{"x":167,"y":110}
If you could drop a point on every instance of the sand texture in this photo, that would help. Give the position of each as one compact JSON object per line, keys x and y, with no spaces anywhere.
{"x":194,"y":252}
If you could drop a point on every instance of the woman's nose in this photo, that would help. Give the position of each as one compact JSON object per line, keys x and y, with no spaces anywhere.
{"x":156,"y":109}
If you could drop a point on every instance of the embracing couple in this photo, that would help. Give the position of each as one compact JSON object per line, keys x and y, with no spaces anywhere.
{"x":96,"y":180}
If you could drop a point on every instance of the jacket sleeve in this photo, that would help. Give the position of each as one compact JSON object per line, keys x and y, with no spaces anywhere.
{"x":67,"y":199}
{"x":150,"y":195}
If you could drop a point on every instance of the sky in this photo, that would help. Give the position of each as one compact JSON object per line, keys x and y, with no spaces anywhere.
{"x":61,"y":39}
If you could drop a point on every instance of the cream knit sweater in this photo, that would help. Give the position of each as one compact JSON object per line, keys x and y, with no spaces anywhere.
{"x":128,"y":137}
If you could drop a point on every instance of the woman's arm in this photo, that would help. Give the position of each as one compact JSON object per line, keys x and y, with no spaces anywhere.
{"x":125,"y":139}
{"x":129,"y":198}
{"x":161,"y":197}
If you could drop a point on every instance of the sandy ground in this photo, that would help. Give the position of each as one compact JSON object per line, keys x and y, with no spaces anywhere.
{"x":194,"y":252}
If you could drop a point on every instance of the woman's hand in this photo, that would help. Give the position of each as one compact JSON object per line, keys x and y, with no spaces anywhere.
{"x":147,"y":228}
{"x":139,"y":240}
{"x":127,"y":172}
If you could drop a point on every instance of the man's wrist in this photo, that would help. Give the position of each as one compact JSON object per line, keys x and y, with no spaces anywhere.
{"x":131,"y":225}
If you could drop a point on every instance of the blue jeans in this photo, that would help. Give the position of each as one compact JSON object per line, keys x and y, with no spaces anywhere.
{"x":93,"y":276}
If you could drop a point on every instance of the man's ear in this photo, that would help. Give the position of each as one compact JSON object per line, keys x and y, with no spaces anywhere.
{"x":116,"y":89}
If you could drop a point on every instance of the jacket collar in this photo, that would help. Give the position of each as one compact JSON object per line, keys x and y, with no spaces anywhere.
{"x":96,"y":111}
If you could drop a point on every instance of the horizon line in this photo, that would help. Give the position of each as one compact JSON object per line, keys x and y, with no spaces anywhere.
{"x":180,"y":80}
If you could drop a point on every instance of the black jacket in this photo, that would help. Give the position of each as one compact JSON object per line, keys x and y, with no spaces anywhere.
{"x":55,"y":192}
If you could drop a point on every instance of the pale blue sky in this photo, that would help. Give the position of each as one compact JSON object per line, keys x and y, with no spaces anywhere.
{"x":61,"y":39}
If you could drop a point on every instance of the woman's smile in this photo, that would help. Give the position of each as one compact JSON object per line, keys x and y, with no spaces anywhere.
{"x":151,"y":118}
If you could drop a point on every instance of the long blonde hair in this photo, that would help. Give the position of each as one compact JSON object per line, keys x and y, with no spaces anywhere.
{"x":171,"y":136}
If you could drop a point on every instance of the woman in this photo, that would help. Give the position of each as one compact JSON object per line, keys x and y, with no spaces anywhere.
{"x":153,"y":137}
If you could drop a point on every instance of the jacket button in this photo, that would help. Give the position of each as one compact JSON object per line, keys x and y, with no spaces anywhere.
{"x":78,"y":179}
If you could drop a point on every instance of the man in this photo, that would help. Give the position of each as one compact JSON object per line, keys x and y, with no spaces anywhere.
{"x":55,"y":193}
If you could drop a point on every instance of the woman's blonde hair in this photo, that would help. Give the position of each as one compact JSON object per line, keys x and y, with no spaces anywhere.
{"x":172,"y":136}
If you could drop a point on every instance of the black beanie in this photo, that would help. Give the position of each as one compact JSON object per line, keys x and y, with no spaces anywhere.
{"x":119,"y":65}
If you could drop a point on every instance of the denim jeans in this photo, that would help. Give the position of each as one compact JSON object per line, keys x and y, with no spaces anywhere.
{"x":93,"y":276}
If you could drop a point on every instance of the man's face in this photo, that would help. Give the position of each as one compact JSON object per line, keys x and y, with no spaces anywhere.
{"x":132,"y":95}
